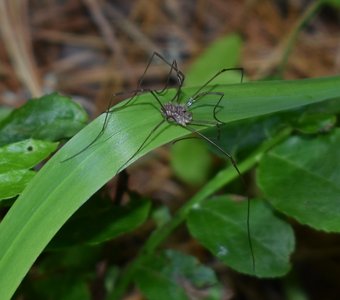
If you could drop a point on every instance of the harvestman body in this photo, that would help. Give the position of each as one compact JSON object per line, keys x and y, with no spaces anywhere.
{"x":176,"y":113}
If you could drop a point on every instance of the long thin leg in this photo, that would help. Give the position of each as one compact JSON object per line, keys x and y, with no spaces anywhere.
{"x":243,"y":182}
{"x":172,"y":65}
{"x":194,"y":99}
{"x":142,"y":145}
{"x":106,"y":120}
{"x":199,"y":94}
{"x":140,"y":89}
{"x":216,"y":75}
{"x":135,"y":92}
{"x":180,"y":79}
{"x":180,"y":76}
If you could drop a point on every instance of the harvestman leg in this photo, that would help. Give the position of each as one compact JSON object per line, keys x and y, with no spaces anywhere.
{"x":139,"y":89}
{"x":173,"y":66}
{"x":180,"y":78}
{"x":199,"y":94}
{"x":218,"y":123}
{"x":151,"y":133}
{"x":232,"y":160}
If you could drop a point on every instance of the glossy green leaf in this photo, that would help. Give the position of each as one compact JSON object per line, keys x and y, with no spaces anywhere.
{"x":60,"y":188}
{"x":98,"y":221}
{"x":50,"y":117}
{"x":191,"y":161}
{"x":25,"y":154}
{"x":16,"y":160}
{"x":301,"y":179}
{"x":174,"y":275}
{"x":221,"y":226}
{"x":224,"y":53}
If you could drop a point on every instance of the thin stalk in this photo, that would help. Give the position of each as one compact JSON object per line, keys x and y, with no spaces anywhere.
{"x":221,"y":179}
{"x":292,"y":36}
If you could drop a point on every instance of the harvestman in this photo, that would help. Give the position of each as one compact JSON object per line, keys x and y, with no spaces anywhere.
{"x":174,"y":112}
{"x":138,"y":90}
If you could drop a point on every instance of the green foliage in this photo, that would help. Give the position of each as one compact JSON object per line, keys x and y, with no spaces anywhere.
{"x":48,"y":118}
{"x":297,"y":175}
{"x":60,"y":188}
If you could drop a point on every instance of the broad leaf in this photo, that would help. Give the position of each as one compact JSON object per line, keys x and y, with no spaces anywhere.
{"x":301,"y":179}
{"x":221,"y":226}
{"x":16,"y":160}
{"x":174,"y":275}
{"x":51,"y":118}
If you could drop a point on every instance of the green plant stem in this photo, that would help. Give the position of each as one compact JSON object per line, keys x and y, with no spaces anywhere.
{"x":222,"y":178}
{"x":289,"y":41}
